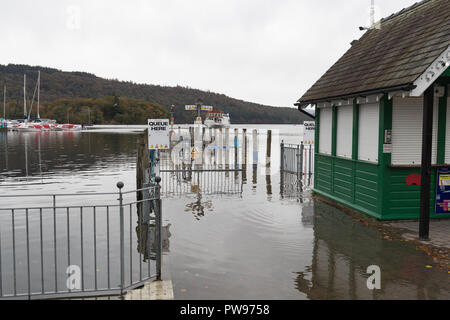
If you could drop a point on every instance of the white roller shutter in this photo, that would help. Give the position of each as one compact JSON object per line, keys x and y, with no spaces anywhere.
{"x":369,"y":120}
{"x":447,"y":134}
{"x":326,"y":117}
{"x":407,"y":123}
{"x":344,"y":131}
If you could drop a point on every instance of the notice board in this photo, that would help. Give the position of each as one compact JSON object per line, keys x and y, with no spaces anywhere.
{"x":443,"y":191}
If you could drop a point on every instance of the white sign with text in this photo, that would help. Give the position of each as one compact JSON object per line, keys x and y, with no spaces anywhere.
{"x":158,"y":134}
{"x":308,"y":134}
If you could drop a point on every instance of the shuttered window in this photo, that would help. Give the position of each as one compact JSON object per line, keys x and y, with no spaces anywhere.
{"x":344,"y":131}
{"x":407,"y":123}
{"x":368,"y":132}
{"x":326,"y":116}
{"x":447,"y":134}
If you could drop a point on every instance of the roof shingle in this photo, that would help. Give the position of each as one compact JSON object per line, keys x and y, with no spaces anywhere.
{"x":394,"y":55}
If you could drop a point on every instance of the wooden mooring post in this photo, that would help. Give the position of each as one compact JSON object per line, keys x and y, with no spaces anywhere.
{"x":269,"y":148}
{"x":244,"y":156}
{"x":143,"y":177}
{"x":255,"y":157}
{"x":227,"y":149}
{"x":236,"y":149}
{"x":142,"y":162}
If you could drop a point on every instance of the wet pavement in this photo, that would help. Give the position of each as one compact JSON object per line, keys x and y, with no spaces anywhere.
{"x":439,"y":232}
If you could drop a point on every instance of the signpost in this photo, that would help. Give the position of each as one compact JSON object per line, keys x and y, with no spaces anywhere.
{"x":198,"y":107}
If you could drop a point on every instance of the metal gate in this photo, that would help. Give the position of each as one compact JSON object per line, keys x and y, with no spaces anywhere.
{"x":80,"y":249}
{"x":297,"y":161}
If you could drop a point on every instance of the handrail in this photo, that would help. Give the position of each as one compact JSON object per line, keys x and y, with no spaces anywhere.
{"x":57,"y":230}
{"x":75,"y":194}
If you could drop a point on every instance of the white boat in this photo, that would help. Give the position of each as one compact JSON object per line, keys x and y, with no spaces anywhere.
{"x":68,"y":127}
{"x":47,"y":124}
{"x":28,"y":127}
{"x":3,"y":124}
{"x":217,"y":119}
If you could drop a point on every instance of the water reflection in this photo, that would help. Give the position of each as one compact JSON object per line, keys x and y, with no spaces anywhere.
{"x":146,"y":240}
{"x":39,"y":155}
{"x":343,"y":249}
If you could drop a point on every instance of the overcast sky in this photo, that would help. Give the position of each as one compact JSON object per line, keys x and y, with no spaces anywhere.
{"x":265,"y":51}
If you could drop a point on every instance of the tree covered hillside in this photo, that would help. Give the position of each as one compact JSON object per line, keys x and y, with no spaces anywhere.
{"x":59,"y":89}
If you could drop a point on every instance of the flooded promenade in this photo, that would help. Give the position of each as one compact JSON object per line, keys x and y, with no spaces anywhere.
{"x":236,"y":235}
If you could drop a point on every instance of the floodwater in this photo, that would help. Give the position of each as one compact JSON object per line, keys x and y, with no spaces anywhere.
{"x":230,"y":236}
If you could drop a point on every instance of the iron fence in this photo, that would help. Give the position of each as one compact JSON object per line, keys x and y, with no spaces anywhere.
{"x":79,"y":249}
{"x":298,"y":160}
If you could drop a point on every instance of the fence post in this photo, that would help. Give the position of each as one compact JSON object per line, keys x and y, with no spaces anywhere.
{"x":122,"y":243}
{"x":302,"y":151}
{"x":282,"y":156}
{"x":158,"y":227}
{"x":310,"y":165}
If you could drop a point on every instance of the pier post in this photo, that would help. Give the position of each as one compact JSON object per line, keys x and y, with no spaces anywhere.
{"x":269,"y":148}
{"x":244,"y":146}
{"x":227,"y":149}
{"x":142,"y":163}
{"x":192,"y":135}
{"x":220,"y":148}
{"x":244,"y":156}
{"x":255,"y":156}
{"x":236,"y":149}
{"x":255,"y":148}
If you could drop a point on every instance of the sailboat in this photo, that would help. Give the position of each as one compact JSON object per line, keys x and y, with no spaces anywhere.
{"x":46,"y":124}
{"x":38,"y":124}
{"x":3,"y":121}
{"x":26,"y":125}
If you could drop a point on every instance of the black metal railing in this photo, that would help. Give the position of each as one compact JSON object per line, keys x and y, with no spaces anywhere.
{"x":80,"y":249}
{"x":298,"y":160}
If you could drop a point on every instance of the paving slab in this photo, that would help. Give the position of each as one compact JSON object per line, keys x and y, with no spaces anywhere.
{"x":439,"y":232}
{"x":155,"y":290}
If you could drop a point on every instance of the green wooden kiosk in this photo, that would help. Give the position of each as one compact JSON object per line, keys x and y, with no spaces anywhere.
{"x":369,"y":116}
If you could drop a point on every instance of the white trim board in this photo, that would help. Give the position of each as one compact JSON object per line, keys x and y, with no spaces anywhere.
{"x":433,"y":72}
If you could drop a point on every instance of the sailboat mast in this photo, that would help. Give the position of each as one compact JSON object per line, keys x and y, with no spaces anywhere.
{"x":25,"y":97}
{"x":39,"y":88}
{"x":4,"y":102}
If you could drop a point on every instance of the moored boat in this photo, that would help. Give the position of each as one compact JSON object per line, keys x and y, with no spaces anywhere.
{"x":217,"y":119}
{"x":68,"y":127}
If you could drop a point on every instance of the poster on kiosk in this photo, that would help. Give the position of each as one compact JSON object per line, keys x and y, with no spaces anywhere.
{"x":443,"y":191}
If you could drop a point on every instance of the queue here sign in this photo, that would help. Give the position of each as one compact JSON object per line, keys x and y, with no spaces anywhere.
{"x":158,"y":134}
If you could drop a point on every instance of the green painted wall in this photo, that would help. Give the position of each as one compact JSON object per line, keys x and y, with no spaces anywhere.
{"x":446,"y":73}
{"x":403,"y":201}
{"x":350,"y":182}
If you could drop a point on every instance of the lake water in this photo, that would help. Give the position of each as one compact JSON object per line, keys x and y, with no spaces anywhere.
{"x":243,"y":236}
